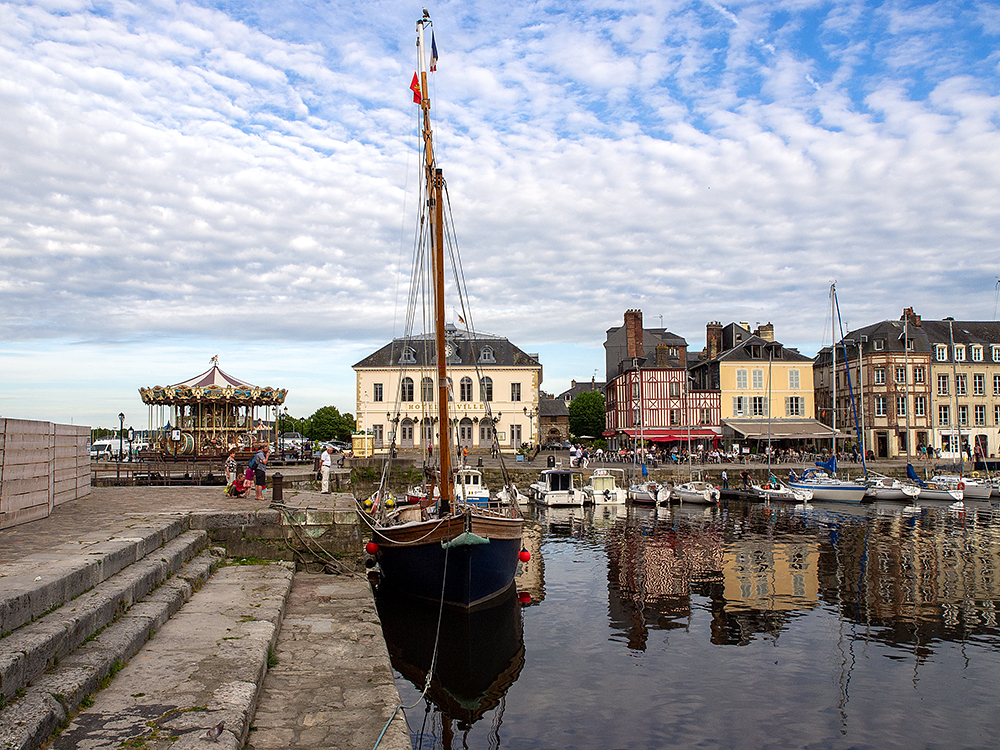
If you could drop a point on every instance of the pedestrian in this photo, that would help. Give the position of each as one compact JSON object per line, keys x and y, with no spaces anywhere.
{"x":465,"y":455}
{"x":325,"y":467}
{"x":725,"y":480}
{"x":230,"y":467}
{"x":259,"y":465}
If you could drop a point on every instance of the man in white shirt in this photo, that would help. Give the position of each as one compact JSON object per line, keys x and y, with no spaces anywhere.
{"x":325,"y":467}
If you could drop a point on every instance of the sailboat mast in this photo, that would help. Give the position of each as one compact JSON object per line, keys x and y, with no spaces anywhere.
{"x":906,"y":380}
{"x":954,"y":372}
{"x":833,"y":370}
{"x":435,"y":183}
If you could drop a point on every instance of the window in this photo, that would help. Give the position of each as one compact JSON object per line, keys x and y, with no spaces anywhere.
{"x":996,"y":385}
{"x":879,"y":376}
{"x":963,"y":415}
{"x":901,"y":406}
{"x":758,"y":406}
{"x":635,"y":389}
{"x":705,"y":416}
{"x":485,"y":432}
{"x":487,"y":355}
{"x":675,"y":389}
{"x":377,"y":435}
{"x":996,"y":414}
{"x":406,"y":389}
{"x":941,"y":352}
{"x":995,"y":349}
{"x":406,"y":431}
{"x":486,"y":389}
{"x":377,"y":392}
{"x":795,"y":406}
{"x":944,"y":416}
{"x":754,"y":350}
{"x":427,"y":390}
{"x":880,"y":406}
{"x":980,"y":415}
{"x":409,"y":356}
{"x":920,"y":406}
{"x":978,"y":384}
{"x":879,"y":344}
{"x":942,"y":385}
{"x":960,"y":383}
{"x":465,"y":389}
{"x":794,"y":380}
{"x":977,"y":353}
{"x":758,"y":379}
{"x":918,"y":375}
{"x":515,"y":391}
{"x":739,"y":405}
{"x":959,"y":352}
{"x":675,"y":417}
{"x":900,"y":374}
{"x":741,"y":380}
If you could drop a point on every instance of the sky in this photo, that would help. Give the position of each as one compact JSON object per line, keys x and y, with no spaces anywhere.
{"x":189,"y":179}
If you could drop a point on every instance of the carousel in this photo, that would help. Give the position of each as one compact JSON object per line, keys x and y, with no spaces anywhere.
{"x":209,"y":415}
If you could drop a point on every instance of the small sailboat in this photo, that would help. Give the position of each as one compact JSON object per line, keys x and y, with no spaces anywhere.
{"x":696,"y":491}
{"x":444,"y":547}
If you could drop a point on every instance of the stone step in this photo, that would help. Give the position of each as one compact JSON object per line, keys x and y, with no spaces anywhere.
{"x":139,"y":600}
{"x":41,"y":582}
{"x":204,"y":668}
{"x":31,"y":649}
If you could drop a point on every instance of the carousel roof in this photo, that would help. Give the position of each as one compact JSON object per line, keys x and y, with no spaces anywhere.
{"x":213,"y":386}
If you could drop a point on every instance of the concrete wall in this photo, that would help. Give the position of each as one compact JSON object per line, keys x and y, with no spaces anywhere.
{"x":41,"y":466}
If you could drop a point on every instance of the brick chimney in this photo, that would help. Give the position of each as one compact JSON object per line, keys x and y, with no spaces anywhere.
{"x":765,"y":331}
{"x":662,"y":360}
{"x":908,"y":314}
{"x":682,"y":355}
{"x":713,"y":339}
{"x":633,"y":333}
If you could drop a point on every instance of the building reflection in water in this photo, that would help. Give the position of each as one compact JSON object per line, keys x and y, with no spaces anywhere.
{"x":909,"y":577}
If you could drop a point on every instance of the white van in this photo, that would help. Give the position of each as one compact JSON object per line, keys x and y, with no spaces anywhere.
{"x":106,"y":449}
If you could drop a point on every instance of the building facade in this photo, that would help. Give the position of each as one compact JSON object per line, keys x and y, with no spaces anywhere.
{"x":649,"y":394}
{"x":492,"y":383}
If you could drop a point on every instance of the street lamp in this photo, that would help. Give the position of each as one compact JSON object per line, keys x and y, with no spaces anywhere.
{"x":284,"y":426}
{"x":530,"y":414}
{"x":121,"y":443}
{"x":770,"y":346}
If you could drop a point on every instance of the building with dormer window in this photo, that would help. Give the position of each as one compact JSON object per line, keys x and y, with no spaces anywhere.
{"x":397,"y":389}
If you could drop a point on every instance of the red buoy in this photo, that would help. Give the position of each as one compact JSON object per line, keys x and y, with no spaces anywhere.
{"x":523,"y":555}
{"x":524,"y":597}
{"x":371,"y":548}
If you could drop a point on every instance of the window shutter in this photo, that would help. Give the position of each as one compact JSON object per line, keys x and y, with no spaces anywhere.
{"x":788,"y":411}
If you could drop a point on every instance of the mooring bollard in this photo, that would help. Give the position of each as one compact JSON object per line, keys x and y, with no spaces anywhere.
{"x":276,"y":487}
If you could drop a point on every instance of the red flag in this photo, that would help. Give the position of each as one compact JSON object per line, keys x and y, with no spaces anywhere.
{"x":415,"y":88}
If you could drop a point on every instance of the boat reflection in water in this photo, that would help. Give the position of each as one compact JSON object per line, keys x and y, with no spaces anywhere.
{"x":481,"y":654}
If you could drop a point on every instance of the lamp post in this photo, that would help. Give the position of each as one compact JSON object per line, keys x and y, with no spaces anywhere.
{"x":121,"y":443}
{"x":530,"y":414}
{"x":284,"y":426}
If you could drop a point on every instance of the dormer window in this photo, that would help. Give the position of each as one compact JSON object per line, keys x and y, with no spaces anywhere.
{"x":754,"y":351}
{"x":409,"y":356}
{"x":959,"y":352}
{"x":977,"y":353}
{"x":941,"y":352}
{"x":879,"y":344}
{"x":487,"y":355}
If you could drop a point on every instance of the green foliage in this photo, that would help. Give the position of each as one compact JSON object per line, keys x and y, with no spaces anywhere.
{"x":327,"y":423}
{"x":586,"y":414}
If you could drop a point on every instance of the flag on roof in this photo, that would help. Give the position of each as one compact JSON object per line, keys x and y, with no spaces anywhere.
{"x":434,"y":53}
{"x":415,"y":88}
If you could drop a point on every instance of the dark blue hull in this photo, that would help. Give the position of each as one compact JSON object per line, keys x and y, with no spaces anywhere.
{"x":473,"y":574}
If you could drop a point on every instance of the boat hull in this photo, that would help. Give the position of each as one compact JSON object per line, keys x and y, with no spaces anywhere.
{"x":416,"y":557}
{"x":833,"y":492}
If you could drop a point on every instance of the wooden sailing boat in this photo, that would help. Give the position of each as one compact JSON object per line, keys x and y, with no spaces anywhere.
{"x":443,"y":548}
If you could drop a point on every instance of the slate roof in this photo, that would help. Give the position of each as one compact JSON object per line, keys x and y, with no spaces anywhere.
{"x":552,"y":407}
{"x":466,"y":351}
{"x":924,"y":336}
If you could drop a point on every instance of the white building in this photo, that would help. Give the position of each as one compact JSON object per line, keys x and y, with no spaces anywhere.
{"x":397,"y":385}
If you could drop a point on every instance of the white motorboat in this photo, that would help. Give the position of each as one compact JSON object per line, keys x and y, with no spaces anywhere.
{"x":881,"y":487}
{"x":469,"y":487}
{"x":557,"y":487}
{"x":605,"y":487}
{"x":648,"y":493}
{"x":773,"y":489}
{"x":972,"y":488}
{"x":696,"y":492}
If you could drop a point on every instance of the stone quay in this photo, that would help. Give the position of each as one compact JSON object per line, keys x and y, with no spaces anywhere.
{"x":161,"y":617}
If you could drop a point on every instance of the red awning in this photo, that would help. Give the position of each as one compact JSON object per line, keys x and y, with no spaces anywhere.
{"x":662,"y":433}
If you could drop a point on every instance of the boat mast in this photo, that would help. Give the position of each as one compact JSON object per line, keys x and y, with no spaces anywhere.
{"x":954,"y":372}
{"x":435,"y":183}
{"x":833,"y":370}
{"x":906,"y":379}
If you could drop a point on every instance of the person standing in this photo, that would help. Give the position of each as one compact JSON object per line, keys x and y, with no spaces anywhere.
{"x":725,"y":480}
{"x":230,"y":467}
{"x":325,"y":467}
{"x":259,"y":466}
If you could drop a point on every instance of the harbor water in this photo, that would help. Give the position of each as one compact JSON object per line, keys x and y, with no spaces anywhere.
{"x":743,"y":626}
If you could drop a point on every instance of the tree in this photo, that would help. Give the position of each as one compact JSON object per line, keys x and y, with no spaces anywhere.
{"x":586,"y":414}
{"x":327,"y":423}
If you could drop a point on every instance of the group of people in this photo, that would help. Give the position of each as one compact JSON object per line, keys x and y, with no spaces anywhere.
{"x":255,"y":476}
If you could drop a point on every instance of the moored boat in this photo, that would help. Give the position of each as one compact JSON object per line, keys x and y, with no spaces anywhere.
{"x":648,"y":493}
{"x":557,"y":487}
{"x":605,"y":487}
{"x":696,"y":491}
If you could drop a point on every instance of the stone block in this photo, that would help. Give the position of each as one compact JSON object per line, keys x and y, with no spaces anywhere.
{"x":24,"y":725}
{"x":12,"y":671}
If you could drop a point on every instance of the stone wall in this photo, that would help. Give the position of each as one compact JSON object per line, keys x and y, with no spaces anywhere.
{"x":41,"y":466}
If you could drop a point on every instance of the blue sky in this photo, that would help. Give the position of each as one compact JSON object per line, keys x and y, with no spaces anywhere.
{"x":238,"y":178}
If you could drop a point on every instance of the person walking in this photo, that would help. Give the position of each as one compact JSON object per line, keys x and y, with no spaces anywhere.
{"x":325,"y":467}
{"x":259,"y":465}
